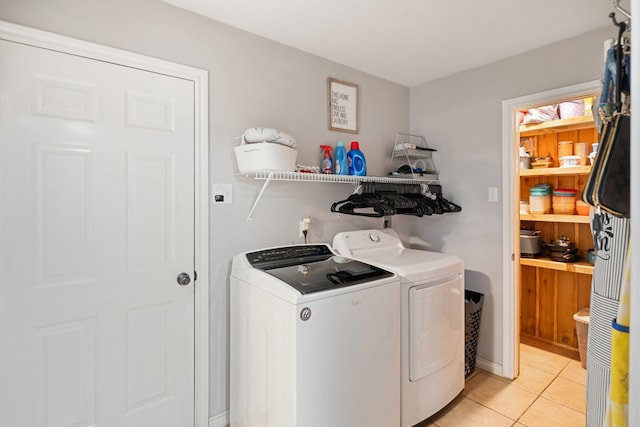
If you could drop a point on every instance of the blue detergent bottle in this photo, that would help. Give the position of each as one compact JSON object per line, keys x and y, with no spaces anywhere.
{"x":357,"y":162}
{"x":341,"y":165}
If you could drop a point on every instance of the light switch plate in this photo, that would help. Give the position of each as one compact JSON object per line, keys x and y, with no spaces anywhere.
{"x":493,"y":194}
{"x":222,"y":193}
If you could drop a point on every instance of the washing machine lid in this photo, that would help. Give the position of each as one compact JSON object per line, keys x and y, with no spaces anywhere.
{"x":314,"y":268}
{"x":384,"y":248}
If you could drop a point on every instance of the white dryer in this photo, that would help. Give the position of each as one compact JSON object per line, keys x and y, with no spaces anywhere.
{"x":432,"y":318}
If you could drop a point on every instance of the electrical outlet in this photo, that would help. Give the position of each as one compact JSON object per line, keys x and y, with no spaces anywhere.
{"x":305,"y":225}
{"x":222,"y":193}
{"x":386,"y":223}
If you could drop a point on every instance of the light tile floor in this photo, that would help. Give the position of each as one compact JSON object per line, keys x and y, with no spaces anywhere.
{"x":550,"y":391}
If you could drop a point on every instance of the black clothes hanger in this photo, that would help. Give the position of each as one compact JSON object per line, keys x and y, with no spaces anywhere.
{"x":377,"y":200}
{"x":369,"y":205}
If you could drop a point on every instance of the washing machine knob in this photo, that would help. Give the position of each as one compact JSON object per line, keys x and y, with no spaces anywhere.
{"x":374,"y":237}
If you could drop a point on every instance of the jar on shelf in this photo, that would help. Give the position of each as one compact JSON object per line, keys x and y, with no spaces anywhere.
{"x":564,"y":201}
{"x":565,"y":148}
{"x":540,"y":199}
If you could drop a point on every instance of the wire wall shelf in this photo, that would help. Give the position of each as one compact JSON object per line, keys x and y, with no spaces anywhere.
{"x":269,"y":175}
{"x":344,"y":179}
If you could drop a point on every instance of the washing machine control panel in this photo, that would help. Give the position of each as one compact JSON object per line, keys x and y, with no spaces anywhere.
{"x":350,"y":243}
{"x":288,"y":255}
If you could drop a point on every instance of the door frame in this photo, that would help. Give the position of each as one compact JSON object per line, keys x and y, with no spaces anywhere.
{"x":38,"y":38}
{"x":510,"y":224}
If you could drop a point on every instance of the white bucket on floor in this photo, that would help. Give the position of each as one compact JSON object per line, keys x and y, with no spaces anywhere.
{"x":582,"y":331}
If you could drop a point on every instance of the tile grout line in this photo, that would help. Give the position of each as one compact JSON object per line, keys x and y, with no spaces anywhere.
{"x":566,"y":379}
{"x":508,"y":382}
{"x":538,"y":395}
{"x":545,"y":389}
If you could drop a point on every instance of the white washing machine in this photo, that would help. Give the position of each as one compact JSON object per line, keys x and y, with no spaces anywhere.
{"x":315,"y":340}
{"x":432,"y":310}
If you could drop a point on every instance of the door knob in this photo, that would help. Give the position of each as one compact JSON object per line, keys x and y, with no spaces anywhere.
{"x":183,"y":279}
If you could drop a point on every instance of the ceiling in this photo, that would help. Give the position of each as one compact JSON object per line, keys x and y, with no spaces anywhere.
{"x":411,"y":41}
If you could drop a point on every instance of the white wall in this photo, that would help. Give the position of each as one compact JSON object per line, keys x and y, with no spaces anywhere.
{"x":461,"y":117}
{"x":253,"y":82}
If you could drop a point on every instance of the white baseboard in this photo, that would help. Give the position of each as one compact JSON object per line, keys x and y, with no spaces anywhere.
{"x":489,"y":366}
{"x":220,"y":420}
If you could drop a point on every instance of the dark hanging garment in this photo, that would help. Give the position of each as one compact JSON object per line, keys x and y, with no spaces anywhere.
{"x":612,"y":190}
{"x":608,"y":188}
{"x":608,"y":185}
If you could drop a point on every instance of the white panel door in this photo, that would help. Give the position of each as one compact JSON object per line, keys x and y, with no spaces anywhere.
{"x":96,"y":223}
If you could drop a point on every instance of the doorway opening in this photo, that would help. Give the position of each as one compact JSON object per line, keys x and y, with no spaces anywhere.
{"x":530,"y":280}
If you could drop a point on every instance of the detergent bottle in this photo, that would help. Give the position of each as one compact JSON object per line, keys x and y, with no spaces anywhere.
{"x":357,"y":162}
{"x":327,"y":164}
{"x":341,"y":166}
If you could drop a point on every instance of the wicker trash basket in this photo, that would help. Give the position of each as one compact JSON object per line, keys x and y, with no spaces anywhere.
{"x":473,"y":313}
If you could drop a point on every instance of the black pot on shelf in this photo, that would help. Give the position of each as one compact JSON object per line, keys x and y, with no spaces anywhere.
{"x":562,"y":250}
{"x":570,"y":255}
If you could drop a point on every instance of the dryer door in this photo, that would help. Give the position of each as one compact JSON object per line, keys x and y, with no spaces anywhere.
{"x":436,"y":326}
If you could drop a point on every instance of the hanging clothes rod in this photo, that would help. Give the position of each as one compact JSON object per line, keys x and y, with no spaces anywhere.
{"x":616,"y":4}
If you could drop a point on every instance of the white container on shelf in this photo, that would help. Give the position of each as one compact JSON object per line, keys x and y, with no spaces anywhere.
{"x":571,"y":109}
{"x":567,"y":161}
{"x":265,"y":156}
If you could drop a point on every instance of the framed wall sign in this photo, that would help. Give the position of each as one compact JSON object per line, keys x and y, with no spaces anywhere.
{"x":343,"y":106}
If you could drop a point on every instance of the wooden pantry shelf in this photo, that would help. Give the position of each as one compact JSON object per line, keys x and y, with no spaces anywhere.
{"x":551,"y":291}
{"x":574,"y":219}
{"x":575,"y":267}
{"x":561,"y":125}
{"x":569,"y":170}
